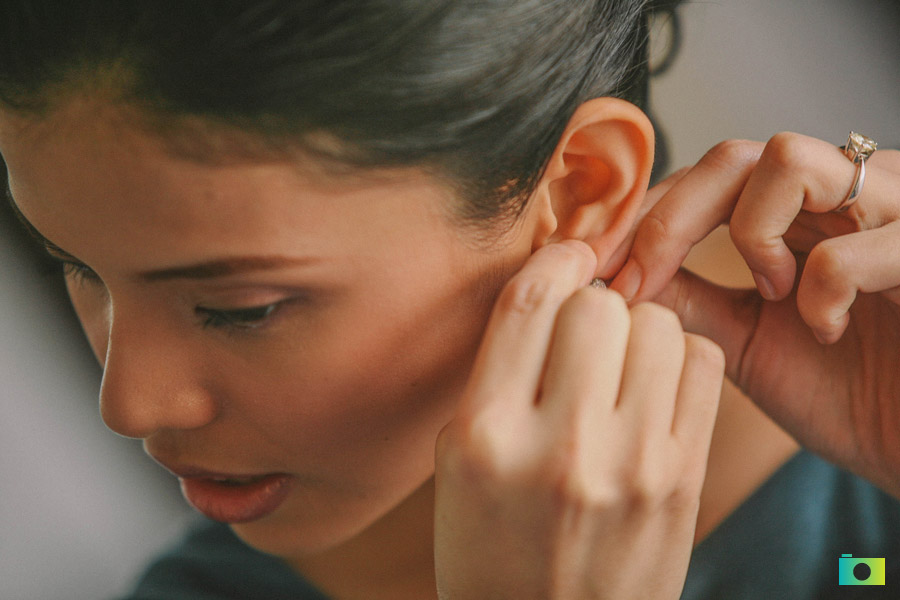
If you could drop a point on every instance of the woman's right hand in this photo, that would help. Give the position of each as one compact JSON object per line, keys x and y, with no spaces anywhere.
{"x":574,"y":465}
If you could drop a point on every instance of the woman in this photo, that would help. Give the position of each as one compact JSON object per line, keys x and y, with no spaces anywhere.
{"x":287,"y":272}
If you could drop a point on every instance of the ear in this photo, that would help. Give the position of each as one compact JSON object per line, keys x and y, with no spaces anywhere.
{"x":596,"y":179}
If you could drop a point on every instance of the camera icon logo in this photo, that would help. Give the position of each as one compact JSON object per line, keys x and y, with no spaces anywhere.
{"x":860,"y":571}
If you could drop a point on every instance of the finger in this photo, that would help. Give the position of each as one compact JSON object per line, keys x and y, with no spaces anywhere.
{"x":584,"y":367}
{"x":654,"y":195}
{"x":662,"y":188}
{"x":699,"y":392}
{"x":510,"y":361}
{"x":652,"y":368}
{"x":808,"y":228}
{"x":698,"y":203}
{"x":725,"y":316}
{"x":763,"y":349}
{"x":797,"y":173}
{"x":886,"y":159}
{"x":838,"y":268}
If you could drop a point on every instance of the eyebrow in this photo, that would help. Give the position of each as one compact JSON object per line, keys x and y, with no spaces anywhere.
{"x":211,"y":269}
{"x":224,"y":267}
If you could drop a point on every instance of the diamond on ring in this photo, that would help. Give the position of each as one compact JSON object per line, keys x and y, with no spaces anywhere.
{"x":858,"y":148}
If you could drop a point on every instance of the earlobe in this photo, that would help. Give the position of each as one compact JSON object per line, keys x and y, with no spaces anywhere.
{"x":596,"y":180}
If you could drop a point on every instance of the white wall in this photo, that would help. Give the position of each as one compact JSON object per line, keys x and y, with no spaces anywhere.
{"x":752,"y":68}
{"x":80,"y":508}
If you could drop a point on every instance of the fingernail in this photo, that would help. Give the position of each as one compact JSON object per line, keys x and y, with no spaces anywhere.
{"x":825,"y":337}
{"x":764,"y":286}
{"x":831,"y":333}
{"x":628,"y":281}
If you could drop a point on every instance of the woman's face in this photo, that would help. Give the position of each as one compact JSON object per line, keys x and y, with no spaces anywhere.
{"x":255,"y":319}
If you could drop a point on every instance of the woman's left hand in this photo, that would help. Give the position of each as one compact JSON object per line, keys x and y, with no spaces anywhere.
{"x":818,"y":347}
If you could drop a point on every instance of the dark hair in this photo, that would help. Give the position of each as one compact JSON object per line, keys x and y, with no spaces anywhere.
{"x":477,"y":91}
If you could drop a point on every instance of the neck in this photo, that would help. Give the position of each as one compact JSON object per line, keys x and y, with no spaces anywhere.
{"x":393,"y":558}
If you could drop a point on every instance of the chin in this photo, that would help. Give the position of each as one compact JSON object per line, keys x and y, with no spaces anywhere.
{"x":310,"y":527}
{"x":290,"y":540}
{"x":291,"y":534}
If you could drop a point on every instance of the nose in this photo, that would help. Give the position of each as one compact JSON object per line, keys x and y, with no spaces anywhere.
{"x":151,"y":379}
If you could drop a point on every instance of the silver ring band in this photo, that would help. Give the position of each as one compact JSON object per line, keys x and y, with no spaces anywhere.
{"x":858,"y":149}
{"x":856,"y":188}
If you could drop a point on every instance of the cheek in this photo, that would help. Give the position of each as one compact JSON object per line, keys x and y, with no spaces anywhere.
{"x":365,"y":392}
{"x":356,"y":417}
{"x":371,"y":391}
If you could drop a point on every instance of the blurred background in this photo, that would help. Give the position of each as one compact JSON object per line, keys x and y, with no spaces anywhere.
{"x":81,"y":510}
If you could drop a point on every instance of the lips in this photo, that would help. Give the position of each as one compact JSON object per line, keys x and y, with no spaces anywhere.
{"x":231,"y":497}
{"x":236,"y":499}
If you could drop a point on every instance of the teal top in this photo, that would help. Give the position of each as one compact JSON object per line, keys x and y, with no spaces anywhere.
{"x":784,"y":542}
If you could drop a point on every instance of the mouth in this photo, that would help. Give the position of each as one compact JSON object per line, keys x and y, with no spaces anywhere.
{"x":236,"y":499}
{"x":233,"y":481}
{"x":231,"y":497}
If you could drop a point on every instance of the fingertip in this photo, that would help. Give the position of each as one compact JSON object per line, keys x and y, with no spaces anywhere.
{"x":628,"y":282}
{"x":580,"y":246}
{"x":777,"y":281}
{"x":823,"y":337}
{"x":583,"y":249}
{"x":706,"y":350}
{"x":833,"y":333}
{"x":765,"y":287}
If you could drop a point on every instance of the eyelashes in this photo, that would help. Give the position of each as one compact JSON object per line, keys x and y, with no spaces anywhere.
{"x":236,"y":319}
{"x":241,"y":318}
{"x":78,"y":272}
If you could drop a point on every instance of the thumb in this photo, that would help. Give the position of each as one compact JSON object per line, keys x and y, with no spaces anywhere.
{"x":726,"y":316}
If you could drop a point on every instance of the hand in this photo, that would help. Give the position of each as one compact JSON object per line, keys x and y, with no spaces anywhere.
{"x":819,"y":352}
{"x":573,"y":467}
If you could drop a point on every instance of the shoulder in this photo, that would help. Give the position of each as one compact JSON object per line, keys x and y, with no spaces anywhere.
{"x":211,"y":563}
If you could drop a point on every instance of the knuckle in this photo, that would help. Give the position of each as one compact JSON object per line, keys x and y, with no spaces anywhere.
{"x":786,"y":151}
{"x":750,"y":240}
{"x":464,"y":449}
{"x":524,"y":294}
{"x":530,"y":289}
{"x":704,"y":351}
{"x":826,"y":265}
{"x":682,"y":300}
{"x":486,"y":450}
{"x":643,"y":487}
{"x":732,"y":155}
{"x":663,"y":486}
{"x":684,"y":498}
{"x":654,"y":317}
{"x":653,"y":232}
{"x":575,"y":490}
{"x":647,"y":489}
{"x":742,"y":237}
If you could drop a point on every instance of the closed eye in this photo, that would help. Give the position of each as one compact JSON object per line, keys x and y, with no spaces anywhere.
{"x":78,"y":272}
{"x":245,"y":318}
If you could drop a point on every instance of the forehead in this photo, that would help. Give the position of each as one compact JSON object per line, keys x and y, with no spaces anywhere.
{"x":86,"y":173}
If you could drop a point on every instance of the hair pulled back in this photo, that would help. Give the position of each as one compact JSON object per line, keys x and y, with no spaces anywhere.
{"x":476,"y":91}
